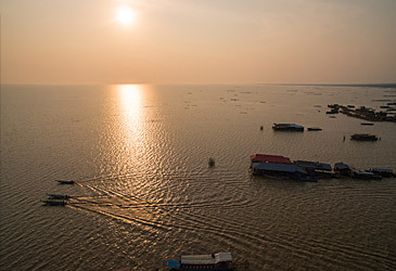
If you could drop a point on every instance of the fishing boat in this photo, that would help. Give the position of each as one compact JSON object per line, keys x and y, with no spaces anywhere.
{"x":54,"y":202}
{"x":367,"y":123}
{"x":291,"y":127}
{"x":57,"y":196}
{"x":65,"y":181}
{"x":314,"y":129}
{"x":364,"y":137}
{"x":221,"y":261}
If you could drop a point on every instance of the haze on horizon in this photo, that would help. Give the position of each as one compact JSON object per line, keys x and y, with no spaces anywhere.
{"x":185,"y":41}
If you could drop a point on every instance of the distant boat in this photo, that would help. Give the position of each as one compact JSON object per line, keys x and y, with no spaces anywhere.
{"x":54,"y":202}
{"x":364,"y":137}
{"x":384,"y":172}
{"x":57,"y":196}
{"x":65,"y":181}
{"x":314,"y":129}
{"x":221,"y":261}
{"x":367,"y":123}
{"x":292,"y":127}
{"x":365,"y":175}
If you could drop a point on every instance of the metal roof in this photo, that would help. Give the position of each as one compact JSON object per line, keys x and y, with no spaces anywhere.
{"x":289,"y":168}
{"x":206,"y":259}
{"x":268,"y":158}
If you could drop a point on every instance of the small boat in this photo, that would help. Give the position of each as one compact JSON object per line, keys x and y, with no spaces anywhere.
{"x":221,"y":261}
{"x":65,"y":181}
{"x":57,"y":196}
{"x":314,"y":129}
{"x":384,"y":172}
{"x":54,"y":202}
{"x":365,"y":175}
{"x":364,"y":137}
{"x":342,"y":169}
{"x":292,"y":127}
{"x":367,"y":123}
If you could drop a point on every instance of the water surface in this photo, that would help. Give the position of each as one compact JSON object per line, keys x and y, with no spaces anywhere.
{"x":145,"y":192}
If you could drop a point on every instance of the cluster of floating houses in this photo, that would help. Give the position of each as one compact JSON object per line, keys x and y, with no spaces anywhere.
{"x":293,"y":127}
{"x":364,"y":112}
{"x":301,"y":170}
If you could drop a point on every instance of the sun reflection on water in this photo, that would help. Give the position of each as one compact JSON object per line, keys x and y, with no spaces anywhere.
{"x":131,"y":109}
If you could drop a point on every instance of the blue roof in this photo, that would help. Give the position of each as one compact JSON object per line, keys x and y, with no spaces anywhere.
{"x":313,"y":165}
{"x":289,"y":168}
{"x":173,"y":264}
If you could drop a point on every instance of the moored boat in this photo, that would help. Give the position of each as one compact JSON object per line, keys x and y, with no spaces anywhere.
{"x":290,"y":171}
{"x":342,"y":169}
{"x":221,"y":261}
{"x":384,"y":172}
{"x":365,"y":175}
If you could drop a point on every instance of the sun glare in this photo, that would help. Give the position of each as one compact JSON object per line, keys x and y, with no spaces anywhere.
{"x":125,"y":15}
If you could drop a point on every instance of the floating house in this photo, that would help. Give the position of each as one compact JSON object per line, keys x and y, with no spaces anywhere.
{"x":290,"y":127}
{"x":221,"y":261}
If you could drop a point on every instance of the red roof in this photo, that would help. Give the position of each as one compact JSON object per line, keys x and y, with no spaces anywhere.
{"x":266,"y":158}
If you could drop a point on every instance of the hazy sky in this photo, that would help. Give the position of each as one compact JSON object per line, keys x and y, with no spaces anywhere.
{"x":201,"y":41}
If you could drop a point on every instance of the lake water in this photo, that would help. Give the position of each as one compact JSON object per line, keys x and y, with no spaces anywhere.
{"x":145,"y":192}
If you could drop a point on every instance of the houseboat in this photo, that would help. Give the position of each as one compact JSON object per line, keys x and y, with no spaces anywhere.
{"x":221,"y":261}
{"x":283,"y":170}
{"x":290,"y":127}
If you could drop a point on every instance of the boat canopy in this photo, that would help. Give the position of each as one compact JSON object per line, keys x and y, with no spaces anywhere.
{"x":267,"y":158}
{"x":206,"y":259}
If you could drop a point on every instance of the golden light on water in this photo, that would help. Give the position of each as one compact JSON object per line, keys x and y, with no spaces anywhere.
{"x":130,"y":100}
{"x":125,"y":15}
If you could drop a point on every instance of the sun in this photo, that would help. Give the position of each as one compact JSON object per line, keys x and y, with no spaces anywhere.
{"x":125,"y":15}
